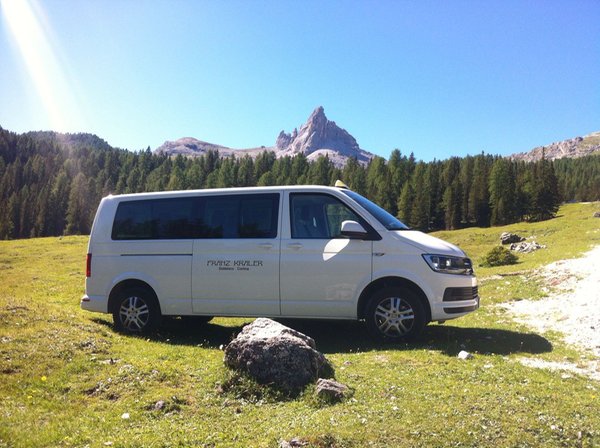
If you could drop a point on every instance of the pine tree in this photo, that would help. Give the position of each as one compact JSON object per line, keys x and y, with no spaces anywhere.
{"x":545,"y":200}
{"x":176,"y":179}
{"x":419,"y":214}
{"x":452,"y":205}
{"x":78,"y":212}
{"x":405,"y":203}
{"x":226,"y":174}
{"x":266,"y":179}
{"x":502,"y":193}
{"x":318,"y":171}
{"x":299,"y":169}
{"x":479,"y":198}
{"x":379,"y":184}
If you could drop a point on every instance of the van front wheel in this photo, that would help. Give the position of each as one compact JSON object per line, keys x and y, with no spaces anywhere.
{"x":395,"y":314}
{"x":136,"y":311}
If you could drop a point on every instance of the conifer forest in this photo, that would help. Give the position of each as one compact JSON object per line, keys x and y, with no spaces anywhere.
{"x":51,"y":183}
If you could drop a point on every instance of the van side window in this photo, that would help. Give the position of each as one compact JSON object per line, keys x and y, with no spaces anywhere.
{"x":227,"y":216}
{"x":318,"y":216}
{"x":239,"y":216}
{"x":154,"y":219}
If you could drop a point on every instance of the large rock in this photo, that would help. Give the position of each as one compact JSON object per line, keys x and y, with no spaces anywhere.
{"x":276,"y":355}
{"x":510,"y":238}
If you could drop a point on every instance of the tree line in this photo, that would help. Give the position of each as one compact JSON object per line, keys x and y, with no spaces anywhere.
{"x":51,"y":183}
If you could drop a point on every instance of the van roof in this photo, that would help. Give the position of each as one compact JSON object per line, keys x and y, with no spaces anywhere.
{"x":212,"y":191}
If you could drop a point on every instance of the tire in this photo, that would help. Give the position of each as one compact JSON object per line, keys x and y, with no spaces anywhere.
{"x":136,"y":311}
{"x":395,"y":314}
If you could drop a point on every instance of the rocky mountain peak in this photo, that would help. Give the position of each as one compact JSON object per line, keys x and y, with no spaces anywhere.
{"x":317,"y":117}
{"x":320,"y":136}
{"x":317,"y":137}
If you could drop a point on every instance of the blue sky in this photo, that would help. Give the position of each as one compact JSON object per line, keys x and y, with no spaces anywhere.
{"x":437,"y":78}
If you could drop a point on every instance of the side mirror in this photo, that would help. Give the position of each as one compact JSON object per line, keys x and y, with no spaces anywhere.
{"x":353,"y":230}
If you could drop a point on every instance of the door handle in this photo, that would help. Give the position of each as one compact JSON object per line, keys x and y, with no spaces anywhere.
{"x":265,"y":245}
{"x":295,"y":246}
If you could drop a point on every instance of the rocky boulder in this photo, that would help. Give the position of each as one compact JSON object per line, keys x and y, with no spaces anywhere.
{"x":526,"y":247}
{"x":276,"y":355}
{"x":510,"y":238}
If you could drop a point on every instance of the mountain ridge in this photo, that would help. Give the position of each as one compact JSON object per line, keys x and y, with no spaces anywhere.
{"x":572,"y":148}
{"x":318,"y":136}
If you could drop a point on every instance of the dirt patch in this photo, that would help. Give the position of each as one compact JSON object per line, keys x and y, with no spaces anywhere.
{"x":572,"y":307}
{"x":589,"y":368}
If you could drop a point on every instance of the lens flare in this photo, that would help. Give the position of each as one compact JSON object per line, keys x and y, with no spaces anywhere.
{"x":25,"y":21}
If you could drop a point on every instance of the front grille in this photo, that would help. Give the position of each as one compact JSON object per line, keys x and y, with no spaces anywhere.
{"x":457,"y":294}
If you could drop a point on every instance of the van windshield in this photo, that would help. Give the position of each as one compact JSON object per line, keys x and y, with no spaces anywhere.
{"x":385,"y":218}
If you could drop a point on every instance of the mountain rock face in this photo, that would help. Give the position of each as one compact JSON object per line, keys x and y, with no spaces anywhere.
{"x":572,"y":148}
{"x":189,"y":146}
{"x":318,"y":136}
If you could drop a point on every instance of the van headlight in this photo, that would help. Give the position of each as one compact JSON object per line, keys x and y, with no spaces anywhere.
{"x":449,"y":265}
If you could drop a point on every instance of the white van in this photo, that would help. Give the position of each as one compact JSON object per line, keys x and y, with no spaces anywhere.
{"x":295,"y":252}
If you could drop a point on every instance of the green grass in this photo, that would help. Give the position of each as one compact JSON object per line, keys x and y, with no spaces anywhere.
{"x":67,"y":378}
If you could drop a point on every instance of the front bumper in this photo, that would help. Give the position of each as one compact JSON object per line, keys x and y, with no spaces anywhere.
{"x":456,"y":300}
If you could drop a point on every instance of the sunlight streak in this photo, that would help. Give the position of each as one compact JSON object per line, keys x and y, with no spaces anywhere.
{"x":334,"y":247}
{"x":25,"y":20}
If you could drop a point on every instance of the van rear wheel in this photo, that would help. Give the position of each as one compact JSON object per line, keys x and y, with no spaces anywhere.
{"x":136,"y":310}
{"x":395,"y":314}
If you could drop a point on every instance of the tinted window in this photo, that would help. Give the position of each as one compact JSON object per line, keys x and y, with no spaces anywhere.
{"x":318,"y":216}
{"x":239,"y":216}
{"x":385,"y":218}
{"x":155,"y":219}
{"x":230,"y":216}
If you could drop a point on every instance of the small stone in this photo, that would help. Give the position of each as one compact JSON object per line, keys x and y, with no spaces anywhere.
{"x":294,"y":443}
{"x":125,"y":416}
{"x":331,"y":390}
{"x":464,"y":355}
{"x":159,"y":405}
{"x":525,"y":247}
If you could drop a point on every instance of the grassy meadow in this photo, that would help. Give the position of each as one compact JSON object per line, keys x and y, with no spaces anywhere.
{"x":67,"y":379}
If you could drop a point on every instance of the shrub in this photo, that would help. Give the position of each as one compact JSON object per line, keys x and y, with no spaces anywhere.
{"x":499,"y":256}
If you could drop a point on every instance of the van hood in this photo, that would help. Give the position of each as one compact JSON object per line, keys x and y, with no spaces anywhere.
{"x":429,"y":244}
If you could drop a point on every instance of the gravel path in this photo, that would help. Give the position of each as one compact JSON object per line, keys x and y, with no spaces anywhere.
{"x":572,"y":308}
